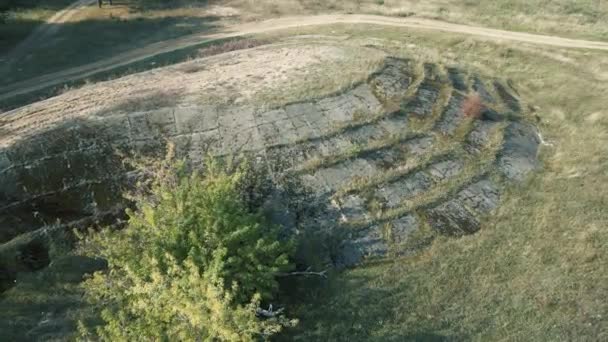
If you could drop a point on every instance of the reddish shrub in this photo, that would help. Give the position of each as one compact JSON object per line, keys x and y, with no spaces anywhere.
{"x":472,"y":106}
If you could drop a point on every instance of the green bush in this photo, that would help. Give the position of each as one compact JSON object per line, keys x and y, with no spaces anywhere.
{"x":193,"y":263}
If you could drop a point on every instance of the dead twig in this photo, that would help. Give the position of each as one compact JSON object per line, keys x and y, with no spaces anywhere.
{"x":306,"y":273}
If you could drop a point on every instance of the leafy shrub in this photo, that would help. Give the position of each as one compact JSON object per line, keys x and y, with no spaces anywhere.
{"x":193,"y":263}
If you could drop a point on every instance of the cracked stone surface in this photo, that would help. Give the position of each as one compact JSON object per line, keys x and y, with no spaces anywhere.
{"x":379,"y":172}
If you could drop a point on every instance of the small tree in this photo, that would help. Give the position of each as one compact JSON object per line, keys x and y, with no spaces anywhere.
{"x":193,"y":263}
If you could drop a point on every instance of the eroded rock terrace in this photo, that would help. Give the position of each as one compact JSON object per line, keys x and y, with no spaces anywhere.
{"x":397,"y":154}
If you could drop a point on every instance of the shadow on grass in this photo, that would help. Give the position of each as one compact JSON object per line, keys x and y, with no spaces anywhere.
{"x":83,"y":42}
{"x":347,"y":307}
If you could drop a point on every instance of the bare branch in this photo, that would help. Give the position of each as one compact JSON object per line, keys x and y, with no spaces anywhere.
{"x":306,"y":273}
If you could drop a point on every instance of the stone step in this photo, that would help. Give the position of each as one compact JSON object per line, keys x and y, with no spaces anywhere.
{"x":519,"y":154}
{"x":452,"y":115}
{"x":461,"y":214}
{"x":394,"y":193}
{"x":507,"y":97}
{"x":394,"y":80}
{"x":421,"y":105}
{"x":458,"y":79}
{"x":367,"y":164}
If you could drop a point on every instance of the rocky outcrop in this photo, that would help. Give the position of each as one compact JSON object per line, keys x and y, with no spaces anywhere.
{"x":386,"y":176}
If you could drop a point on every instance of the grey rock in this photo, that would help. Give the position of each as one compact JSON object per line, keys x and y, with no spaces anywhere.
{"x":402,"y":228}
{"x":452,"y":218}
{"x":452,"y":115}
{"x":509,"y":99}
{"x":457,"y":78}
{"x":396,"y":192}
{"x":362,"y":135}
{"x":480,"y":136}
{"x":236,"y":118}
{"x":394,"y":124}
{"x":371,"y":243}
{"x":339,"y":175}
{"x":265,"y":117}
{"x":420,"y":146}
{"x":519,"y":152}
{"x":446,"y":169}
{"x":352,"y":208}
{"x":424,"y":99}
{"x":481,"y":89}
{"x":196,"y":119}
{"x":482,"y":196}
{"x":394,"y":80}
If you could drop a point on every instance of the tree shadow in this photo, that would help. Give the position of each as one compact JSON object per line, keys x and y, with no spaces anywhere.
{"x":347,"y":307}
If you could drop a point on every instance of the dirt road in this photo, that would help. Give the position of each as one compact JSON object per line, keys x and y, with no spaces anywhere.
{"x":135,"y":55}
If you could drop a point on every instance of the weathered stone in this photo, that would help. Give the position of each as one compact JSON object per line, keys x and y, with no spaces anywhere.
{"x":480,"y":136}
{"x":482,"y":196}
{"x":162,"y":121}
{"x":402,"y":228}
{"x":371,"y":243}
{"x":396,"y":192}
{"x":387,"y":158}
{"x":339,"y":175}
{"x":394,"y":124}
{"x":363,"y":135}
{"x":352,"y":208}
{"x":278,"y":132}
{"x":452,"y":115}
{"x":358,"y":102}
{"x":301,"y":109}
{"x":140,"y":130}
{"x":519,"y":152}
{"x":419,"y":146}
{"x":481,"y":89}
{"x":236,"y":118}
{"x":446,"y":169}
{"x":112,"y":130}
{"x":235,"y":142}
{"x":394,"y":80}
{"x":511,"y":101}
{"x":424,"y":99}
{"x":196,"y":119}
{"x":457,"y":79}
{"x":265,"y":117}
{"x":5,"y":163}
{"x":452,"y":218}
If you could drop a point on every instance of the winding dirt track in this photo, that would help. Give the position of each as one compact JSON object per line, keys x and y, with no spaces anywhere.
{"x":135,"y":55}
